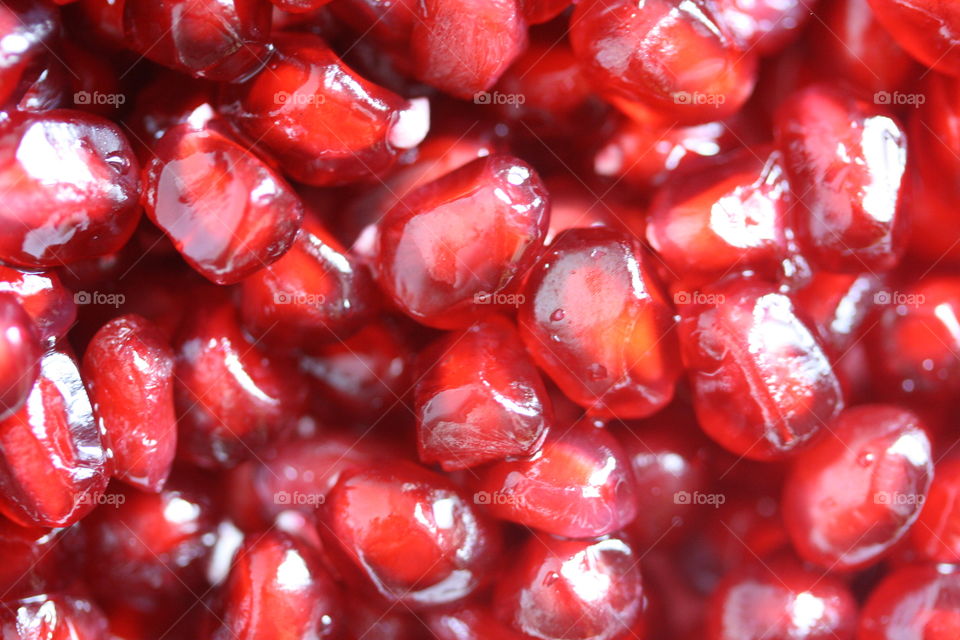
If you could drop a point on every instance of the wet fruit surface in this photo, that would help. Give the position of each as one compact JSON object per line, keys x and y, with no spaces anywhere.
{"x":479,"y":320}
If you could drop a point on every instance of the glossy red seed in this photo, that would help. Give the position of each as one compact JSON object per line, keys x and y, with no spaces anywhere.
{"x":928,"y":29}
{"x":52,"y":458}
{"x":52,"y":617}
{"x":72,"y":188}
{"x":762,"y":384}
{"x":918,"y":601}
{"x":450,"y":250}
{"x":912,"y":349}
{"x":668,"y":57}
{"x":462,"y":57}
{"x":20,"y":352}
{"x":230,"y":396}
{"x":855,"y":494}
{"x":32,"y":559}
{"x":128,"y":368}
{"x":934,"y":152}
{"x":220,"y":40}
{"x":412,"y":534}
{"x":594,"y":319}
{"x":468,"y":622}
{"x":278,"y":588}
{"x":578,"y":590}
{"x":846,"y":161}
{"x":732,"y":216}
{"x":226,"y":211}
{"x":781,"y":601}
{"x":838,"y":306}
{"x":147,"y":549}
{"x":44,"y":298}
{"x":936,"y":535}
{"x":322,"y":122}
{"x":766,"y":26}
{"x":26,"y":30}
{"x":479,"y":398}
{"x":579,"y":486}
{"x":316,"y":291}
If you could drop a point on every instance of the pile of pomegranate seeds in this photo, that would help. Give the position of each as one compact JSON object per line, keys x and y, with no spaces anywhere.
{"x":479,"y":320}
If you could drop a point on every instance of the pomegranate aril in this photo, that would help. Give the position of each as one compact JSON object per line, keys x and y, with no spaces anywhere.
{"x":846,"y":162}
{"x":128,"y":368}
{"x":579,"y":486}
{"x":781,"y":600}
{"x":669,"y":58}
{"x":927,"y":29}
{"x":27,"y":28}
{"x":762,"y":385}
{"x":220,"y":40}
{"x":230,"y":396}
{"x":468,"y":622}
{"x":882,"y":455}
{"x":50,"y":304}
{"x":52,"y":616}
{"x":278,"y":588}
{"x":914,"y":601}
{"x":543,"y":594}
{"x":936,"y":536}
{"x":322,"y":122}
{"x":766,"y":26}
{"x":455,"y":247}
{"x":463,"y":57}
{"x":20,"y":352}
{"x":411,"y":533}
{"x":594,"y":319}
{"x":33,"y":559}
{"x":52,"y":458}
{"x":72,"y":188}
{"x":149,"y":549}
{"x":479,"y":398}
{"x":731,"y":216}
{"x":315,"y":292}
{"x":227,"y":212}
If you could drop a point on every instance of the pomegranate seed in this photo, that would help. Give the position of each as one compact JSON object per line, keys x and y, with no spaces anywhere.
{"x":595,"y":321}
{"x":697,"y":74}
{"x":544,"y":594}
{"x":26,"y":30}
{"x":913,"y":602}
{"x":230,"y":396}
{"x":155,"y":544}
{"x":846,"y":162}
{"x":480,"y":398}
{"x":415,"y":538}
{"x":33,"y":558}
{"x":71,"y":185}
{"x":765,"y":27}
{"x":883,"y":454}
{"x":927,"y":29}
{"x":289,"y":107}
{"x":52,"y":616}
{"x":781,"y":600}
{"x":468,"y":621}
{"x":20,"y":353}
{"x":936,"y":536}
{"x":315,"y":291}
{"x":579,"y":486}
{"x":220,"y":40}
{"x":452,"y":248}
{"x":52,"y":458}
{"x":277,"y":588}
{"x":226,"y":211}
{"x":128,"y":367}
{"x":732,"y":216}
{"x":838,"y":305}
{"x":766,"y":400}
{"x":48,"y":303}
{"x":462,"y":57}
